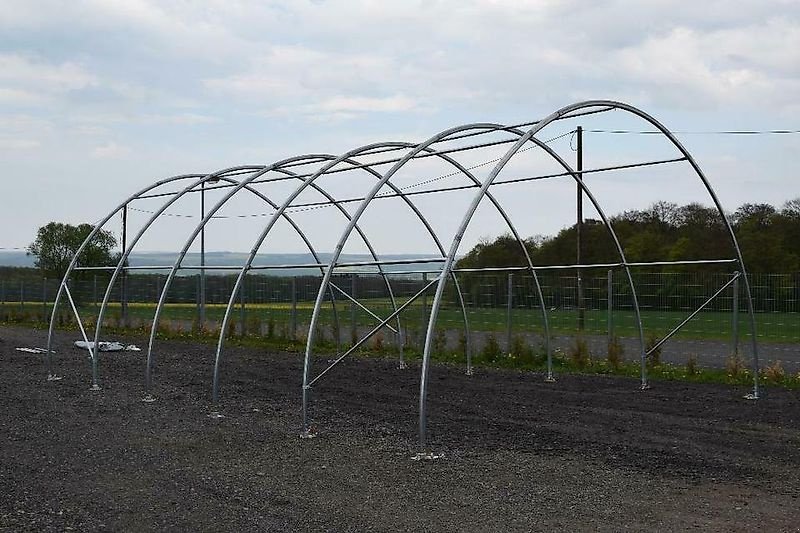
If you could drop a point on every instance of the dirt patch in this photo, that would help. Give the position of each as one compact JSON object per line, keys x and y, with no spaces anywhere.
{"x":587,"y":452}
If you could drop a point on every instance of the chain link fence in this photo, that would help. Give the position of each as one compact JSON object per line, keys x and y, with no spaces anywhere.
{"x":506,"y":306}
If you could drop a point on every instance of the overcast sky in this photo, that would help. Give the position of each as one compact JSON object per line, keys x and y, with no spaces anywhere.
{"x":100,"y":98}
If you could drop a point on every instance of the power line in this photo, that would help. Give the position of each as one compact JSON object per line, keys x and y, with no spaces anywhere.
{"x":721,"y":132}
{"x":387,"y":194}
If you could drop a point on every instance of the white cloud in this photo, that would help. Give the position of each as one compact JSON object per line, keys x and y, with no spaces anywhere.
{"x":18,"y":144}
{"x":110,"y":150}
{"x":21,"y":71}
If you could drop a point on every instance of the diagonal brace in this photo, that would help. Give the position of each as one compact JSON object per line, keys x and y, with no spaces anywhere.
{"x":694,"y":313}
{"x":373,"y":315}
{"x":92,"y":350}
{"x":373,"y":332}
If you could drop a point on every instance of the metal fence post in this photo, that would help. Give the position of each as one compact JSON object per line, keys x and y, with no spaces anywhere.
{"x":735,"y":317}
{"x":241,"y":308}
{"x":124,"y":299}
{"x":44,"y":299}
{"x":509,"y":303}
{"x":197,"y":302}
{"x":22,"y":295}
{"x":94,"y":292}
{"x":424,"y":308}
{"x":294,"y":308}
{"x":353,"y":325}
{"x":610,"y":319}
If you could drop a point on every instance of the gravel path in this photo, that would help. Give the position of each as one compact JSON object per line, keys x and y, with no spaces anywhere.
{"x":585,"y":453}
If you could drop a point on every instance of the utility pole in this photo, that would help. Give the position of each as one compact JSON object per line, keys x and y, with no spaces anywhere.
{"x":579,"y":232}
{"x":125,"y":271}
{"x":202,"y":256}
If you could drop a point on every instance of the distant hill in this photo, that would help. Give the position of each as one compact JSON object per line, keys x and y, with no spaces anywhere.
{"x":15,"y":258}
{"x":232,"y":259}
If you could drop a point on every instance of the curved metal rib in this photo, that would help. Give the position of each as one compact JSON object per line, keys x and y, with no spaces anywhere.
{"x":85,"y":243}
{"x":165,"y":289}
{"x":468,"y":216}
{"x":343,"y":239}
{"x":126,"y":253}
{"x":740,"y":259}
{"x":280,"y":212}
{"x":73,"y":263}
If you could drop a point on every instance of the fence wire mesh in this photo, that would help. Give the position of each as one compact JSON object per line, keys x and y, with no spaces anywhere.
{"x":502,"y":305}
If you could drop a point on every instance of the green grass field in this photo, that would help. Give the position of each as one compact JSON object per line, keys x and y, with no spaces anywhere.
{"x":771,"y":327}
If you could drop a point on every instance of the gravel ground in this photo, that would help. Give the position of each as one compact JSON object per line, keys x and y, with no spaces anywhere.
{"x":585,"y":453}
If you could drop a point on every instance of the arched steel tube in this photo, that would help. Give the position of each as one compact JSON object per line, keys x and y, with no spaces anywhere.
{"x":87,"y":240}
{"x":281,"y":212}
{"x":306,"y":183}
{"x":165,"y":290}
{"x":519,"y":240}
{"x":674,"y":140}
{"x":208,"y":216}
{"x":126,"y":253}
{"x":343,"y":239}
{"x":84,"y":244}
{"x":310,"y":182}
{"x":620,"y":251}
{"x":123,"y":258}
{"x":479,"y":196}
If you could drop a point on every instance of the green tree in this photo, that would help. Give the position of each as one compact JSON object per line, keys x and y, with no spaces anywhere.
{"x":56,"y":244}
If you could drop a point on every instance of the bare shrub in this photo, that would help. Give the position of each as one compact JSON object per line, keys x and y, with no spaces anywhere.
{"x":616,"y":352}
{"x":654,"y":356}
{"x":735,"y":366}
{"x":691,"y":365}
{"x":774,"y":372}
{"x":579,"y":353}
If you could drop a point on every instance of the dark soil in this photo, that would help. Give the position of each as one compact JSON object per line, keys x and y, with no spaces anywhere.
{"x":585,"y":453}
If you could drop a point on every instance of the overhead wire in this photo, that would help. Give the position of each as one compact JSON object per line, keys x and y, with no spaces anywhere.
{"x":322,"y":205}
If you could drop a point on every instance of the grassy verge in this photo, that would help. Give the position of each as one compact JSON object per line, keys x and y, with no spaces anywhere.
{"x":578,"y":359}
{"x":708,"y":325}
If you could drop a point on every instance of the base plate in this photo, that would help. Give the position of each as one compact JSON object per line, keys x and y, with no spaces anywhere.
{"x":427,"y":456}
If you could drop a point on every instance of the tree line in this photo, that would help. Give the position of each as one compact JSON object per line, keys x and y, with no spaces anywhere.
{"x":769,"y":239}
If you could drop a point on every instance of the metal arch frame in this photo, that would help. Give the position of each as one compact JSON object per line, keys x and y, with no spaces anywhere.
{"x":208,"y":217}
{"x":280,"y":211}
{"x":167,"y":284}
{"x":571,"y":111}
{"x":73,"y":263}
{"x":260,"y":171}
{"x":498,"y":206}
{"x":607,"y":222}
{"x":482,"y":192}
{"x":174,"y":198}
{"x":347,"y":158}
{"x":348,"y":230}
{"x":310,"y":182}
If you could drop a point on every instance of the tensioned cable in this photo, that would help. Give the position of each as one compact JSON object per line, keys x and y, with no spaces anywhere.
{"x":482,"y":131}
{"x":722,"y":132}
{"x":321,"y":205}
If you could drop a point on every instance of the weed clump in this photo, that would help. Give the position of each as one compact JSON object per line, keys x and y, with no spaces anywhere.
{"x":439,"y":346}
{"x":377,"y":343}
{"x":734,"y":366}
{"x":491,"y":352}
{"x":616,"y":352}
{"x":774,"y":372}
{"x":653,"y":355}
{"x":691,"y":365}
{"x":579,"y":354}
